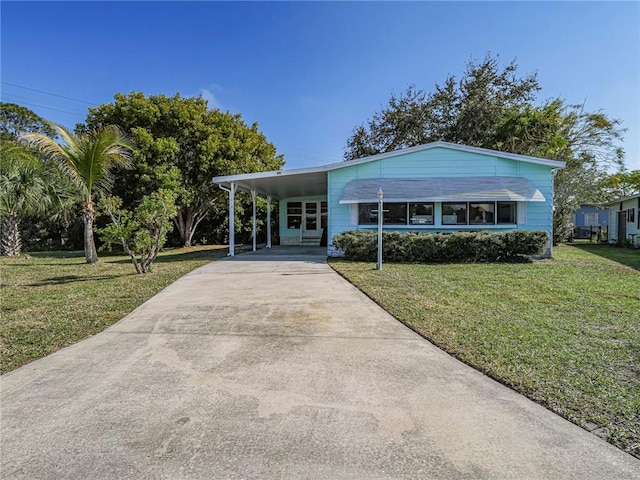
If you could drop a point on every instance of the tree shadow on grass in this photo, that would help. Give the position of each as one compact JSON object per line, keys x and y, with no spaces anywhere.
{"x":72,"y":279}
{"x":184,"y":256}
{"x":624,"y":256}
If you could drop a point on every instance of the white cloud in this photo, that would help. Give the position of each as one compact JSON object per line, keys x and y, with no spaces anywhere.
{"x":212,"y":101}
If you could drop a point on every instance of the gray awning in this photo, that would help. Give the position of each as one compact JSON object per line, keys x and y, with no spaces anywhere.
{"x":443,"y":189}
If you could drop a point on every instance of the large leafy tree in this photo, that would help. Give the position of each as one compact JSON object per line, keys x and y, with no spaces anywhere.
{"x":89,"y":160}
{"x":26,"y":188}
{"x":621,"y":184}
{"x":493,"y":107}
{"x":16,"y":120}
{"x":181,"y":145}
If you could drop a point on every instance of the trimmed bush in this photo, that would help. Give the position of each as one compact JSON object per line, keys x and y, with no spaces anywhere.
{"x":515,"y":246}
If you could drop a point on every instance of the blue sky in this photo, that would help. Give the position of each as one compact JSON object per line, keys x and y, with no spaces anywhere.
{"x":308,"y":73}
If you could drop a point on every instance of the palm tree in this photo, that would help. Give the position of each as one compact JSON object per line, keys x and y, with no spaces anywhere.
{"x":89,"y":160}
{"x":25,"y":188}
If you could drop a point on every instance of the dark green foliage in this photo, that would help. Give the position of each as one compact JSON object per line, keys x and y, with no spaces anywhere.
{"x":16,"y":120}
{"x":181,"y":145}
{"x":490,"y":106}
{"x":515,"y":246}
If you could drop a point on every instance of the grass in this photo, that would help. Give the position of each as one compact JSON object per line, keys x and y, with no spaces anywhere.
{"x":564,"y":332}
{"x":54,"y":299}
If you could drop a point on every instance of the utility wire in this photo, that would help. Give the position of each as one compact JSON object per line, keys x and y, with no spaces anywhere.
{"x":22,"y":99}
{"x":51,"y":108}
{"x":47,"y":93}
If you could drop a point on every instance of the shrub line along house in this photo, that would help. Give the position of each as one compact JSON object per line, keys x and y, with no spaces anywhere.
{"x":437,"y":187}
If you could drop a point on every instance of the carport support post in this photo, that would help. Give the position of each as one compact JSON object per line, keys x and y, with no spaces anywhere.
{"x":253,"y":228}
{"x":232,"y":219}
{"x":269,"y":221}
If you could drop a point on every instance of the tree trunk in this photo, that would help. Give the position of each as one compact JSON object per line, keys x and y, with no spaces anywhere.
{"x":90,"y":252}
{"x":11,"y":241}
{"x":186,"y":227}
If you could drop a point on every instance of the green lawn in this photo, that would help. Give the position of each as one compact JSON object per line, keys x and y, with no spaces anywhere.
{"x":565,"y":332}
{"x":55,"y":299}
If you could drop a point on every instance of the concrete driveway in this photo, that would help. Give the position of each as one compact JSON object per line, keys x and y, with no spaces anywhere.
{"x":272,"y":366}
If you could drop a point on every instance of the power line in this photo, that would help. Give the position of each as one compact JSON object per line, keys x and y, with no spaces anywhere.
{"x":51,"y":108}
{"x":23,"y":98}
{"x":48,"y":93}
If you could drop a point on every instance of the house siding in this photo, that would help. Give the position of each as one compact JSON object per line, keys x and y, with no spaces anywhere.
{"x":579,"y":215}
{"x":632,"y":227}
{"x":442,"y":162}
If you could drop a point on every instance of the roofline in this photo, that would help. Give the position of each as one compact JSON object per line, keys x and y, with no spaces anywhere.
{"x":395,"y":153}
{"x":623,"y":199}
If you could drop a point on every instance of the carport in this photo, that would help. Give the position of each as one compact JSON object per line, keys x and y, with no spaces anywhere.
{"x":273,"y":185}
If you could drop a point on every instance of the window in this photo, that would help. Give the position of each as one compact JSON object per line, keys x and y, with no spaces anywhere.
{"x":631,"y":215}
{"x":590,"y":219}
{"x":323,"y":215}
{"x":506,"y":213}
{"x":294,"y":215}
{"x":421,"y":214}
{"x":395,"y":213}
{"x":454,"y":213}
{"x":481,"y":213}
{"x":367,"y":213}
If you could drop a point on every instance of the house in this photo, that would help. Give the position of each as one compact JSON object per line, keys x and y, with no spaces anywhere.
{"x":624,"y":220}
{"x":590,"y":215}
{"x":437,"y":187}
{"x":590,"y":221}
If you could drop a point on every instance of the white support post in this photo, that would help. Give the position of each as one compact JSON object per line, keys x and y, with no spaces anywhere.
{"x":232,"y":219}
{"x":269,"y":221}
{"x":253,"y":230}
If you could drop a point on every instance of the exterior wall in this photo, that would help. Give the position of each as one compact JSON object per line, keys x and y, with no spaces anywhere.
{"x":579,"y":218}
{"x":633,"y":228}
{"x":443,"y":162}
{"x":292,"y":236}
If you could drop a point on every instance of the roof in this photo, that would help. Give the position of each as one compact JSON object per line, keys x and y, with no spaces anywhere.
{"x":623,"y":199}
{"x":443,"y":189}
{"x":312,"y":181}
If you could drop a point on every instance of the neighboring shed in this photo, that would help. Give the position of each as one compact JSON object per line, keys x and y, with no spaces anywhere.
{"x":624,"y":220}
{"x":438,"y":187}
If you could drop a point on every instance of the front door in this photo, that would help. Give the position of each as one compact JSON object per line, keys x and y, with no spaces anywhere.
{"x":315,"y":218}
{"x":622,"y":226}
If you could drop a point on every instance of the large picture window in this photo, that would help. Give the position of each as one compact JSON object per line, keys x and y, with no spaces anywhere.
{"x":506,"y":213}
{"x":481,"y":213}
{"x":294,"y":215}
{"x":454,"y":213}
{"x":367,"y":213}
{"x":421,"y":214}
{"x":395,"y":213}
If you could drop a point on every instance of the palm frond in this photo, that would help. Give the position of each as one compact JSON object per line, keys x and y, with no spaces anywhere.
{"x":87,"y":159}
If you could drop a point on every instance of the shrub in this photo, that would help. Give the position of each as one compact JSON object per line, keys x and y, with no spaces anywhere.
{"x":515,"y":246}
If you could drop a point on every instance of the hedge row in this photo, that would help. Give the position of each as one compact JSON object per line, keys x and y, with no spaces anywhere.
{"x":515,"y":246}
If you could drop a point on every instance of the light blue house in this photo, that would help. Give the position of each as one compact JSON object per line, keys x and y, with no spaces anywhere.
{"x":437,"y":187}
